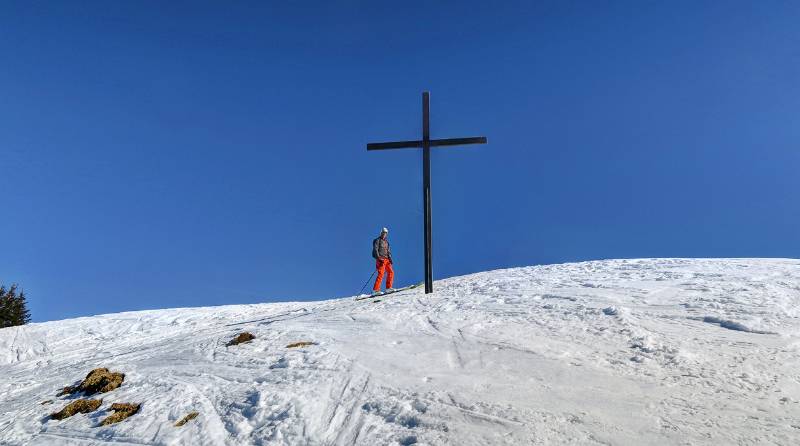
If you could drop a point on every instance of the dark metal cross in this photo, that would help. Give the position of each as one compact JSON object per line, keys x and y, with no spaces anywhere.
{"x":425,"y":144}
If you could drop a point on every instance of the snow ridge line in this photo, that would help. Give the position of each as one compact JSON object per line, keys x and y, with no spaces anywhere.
{"x":729,"y":324}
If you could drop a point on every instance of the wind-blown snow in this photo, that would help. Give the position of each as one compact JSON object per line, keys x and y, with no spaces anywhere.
{"x":623,"y":352}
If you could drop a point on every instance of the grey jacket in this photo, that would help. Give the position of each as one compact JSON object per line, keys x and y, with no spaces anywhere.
{"x":380,"y":249}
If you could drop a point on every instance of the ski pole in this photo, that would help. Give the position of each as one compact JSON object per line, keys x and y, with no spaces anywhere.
{"x":365,"y":284}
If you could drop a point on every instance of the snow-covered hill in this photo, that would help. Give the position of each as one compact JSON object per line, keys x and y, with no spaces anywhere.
{"x":623,"y":352}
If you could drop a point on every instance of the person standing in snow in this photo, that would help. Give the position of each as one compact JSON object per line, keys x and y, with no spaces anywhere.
{"x":383,"y":261}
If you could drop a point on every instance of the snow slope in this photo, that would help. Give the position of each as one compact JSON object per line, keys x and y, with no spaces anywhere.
{"x":623,"y":352}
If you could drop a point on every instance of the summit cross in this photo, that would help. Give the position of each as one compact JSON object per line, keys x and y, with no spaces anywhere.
{"x":425,"y":144}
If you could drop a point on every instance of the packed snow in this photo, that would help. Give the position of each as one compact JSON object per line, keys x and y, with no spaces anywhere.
{"x":619,"y":352}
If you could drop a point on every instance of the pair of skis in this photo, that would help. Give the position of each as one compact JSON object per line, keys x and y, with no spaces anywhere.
{"x":386,"y":293}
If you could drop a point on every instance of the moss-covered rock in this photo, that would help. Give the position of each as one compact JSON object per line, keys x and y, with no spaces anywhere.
{"x":97,"y":381}
{"x":241,"y":338}
{"x":121,"y":412}
{"x":77,"y":406}
{"x":191,"y":416}
{"x":301,"y":344}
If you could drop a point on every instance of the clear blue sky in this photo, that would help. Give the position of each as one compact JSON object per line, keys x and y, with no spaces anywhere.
{"x":163,"y":154}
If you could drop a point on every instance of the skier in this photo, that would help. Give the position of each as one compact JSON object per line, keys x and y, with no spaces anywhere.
{"x":383,"y":261}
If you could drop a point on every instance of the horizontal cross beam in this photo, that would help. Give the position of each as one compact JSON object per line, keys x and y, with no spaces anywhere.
{"x":421,"y":143}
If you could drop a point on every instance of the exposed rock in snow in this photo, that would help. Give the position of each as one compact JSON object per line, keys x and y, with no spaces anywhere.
{"x":189,"y":417}
{"x":241,"y":338}
{"x":99,"y":380}
{"x":664,"y":351}
{"x":121,"y":411}
{"x":76,"y":407}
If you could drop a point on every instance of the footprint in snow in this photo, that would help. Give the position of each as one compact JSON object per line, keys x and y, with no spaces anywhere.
{"x":282,"y":363}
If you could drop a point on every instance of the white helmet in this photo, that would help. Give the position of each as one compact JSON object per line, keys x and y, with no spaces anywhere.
{"x":384,"y":230}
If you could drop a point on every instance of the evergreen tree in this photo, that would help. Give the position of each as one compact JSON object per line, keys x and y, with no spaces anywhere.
{"x":5,"y":308}
{"x":22,"y":314}
{"x":13,"y":307}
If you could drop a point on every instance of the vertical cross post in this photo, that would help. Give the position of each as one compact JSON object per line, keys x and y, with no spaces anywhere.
{"x":426,"y":187}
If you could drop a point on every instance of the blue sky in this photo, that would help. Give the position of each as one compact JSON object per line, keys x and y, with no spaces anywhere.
{"x":163,"y":154}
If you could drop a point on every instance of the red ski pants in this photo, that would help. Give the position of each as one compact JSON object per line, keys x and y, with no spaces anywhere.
{"x":383,"y":265}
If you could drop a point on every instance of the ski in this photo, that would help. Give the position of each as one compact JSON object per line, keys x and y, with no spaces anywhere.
{"x":385,"y":293}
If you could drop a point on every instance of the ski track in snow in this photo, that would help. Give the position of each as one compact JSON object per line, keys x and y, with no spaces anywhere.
{"x":619,"y":352}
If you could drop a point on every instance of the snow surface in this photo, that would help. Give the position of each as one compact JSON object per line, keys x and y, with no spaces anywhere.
{"x":622,"y":352}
